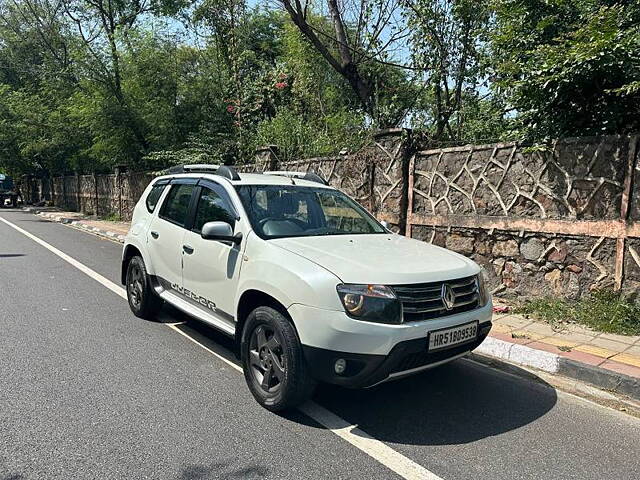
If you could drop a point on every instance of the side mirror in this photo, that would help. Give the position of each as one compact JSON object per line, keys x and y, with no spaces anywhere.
{"x":220,"y":231}
{"x":386,"y":226}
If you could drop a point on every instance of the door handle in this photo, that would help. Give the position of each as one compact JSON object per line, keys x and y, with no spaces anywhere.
{"x":188,"y":249}
{"x":155,"y":234}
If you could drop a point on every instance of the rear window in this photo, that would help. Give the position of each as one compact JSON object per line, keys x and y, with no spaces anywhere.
{"x":154,"y":196}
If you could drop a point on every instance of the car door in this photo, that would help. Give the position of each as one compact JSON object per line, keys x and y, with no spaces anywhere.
{"x":211,"y":268}
{"x":166,"y":233}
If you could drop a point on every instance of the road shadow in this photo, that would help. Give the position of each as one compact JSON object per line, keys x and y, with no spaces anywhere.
{"x":457,"y":403}
{"x":222,"y":470}
{"x":11,"y":255}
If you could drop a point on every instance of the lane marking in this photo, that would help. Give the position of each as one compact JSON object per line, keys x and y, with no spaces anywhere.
{"x":117,"y":289}
{"x":376,"y":449}
{"x":215,"y":354}
{"x":379,"y":451}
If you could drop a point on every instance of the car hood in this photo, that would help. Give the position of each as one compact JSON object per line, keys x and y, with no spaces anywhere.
{"x":380,"y":258}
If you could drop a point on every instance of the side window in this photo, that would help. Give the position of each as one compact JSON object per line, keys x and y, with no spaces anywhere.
{"x":212,"y":208}
{"x":154,"y":196}
{"x":176,"y":205}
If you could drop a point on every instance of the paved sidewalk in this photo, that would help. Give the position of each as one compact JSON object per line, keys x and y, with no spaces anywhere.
{"x":605,"y":360}
{"x":615,"y":352}
{"x":112,"y":230}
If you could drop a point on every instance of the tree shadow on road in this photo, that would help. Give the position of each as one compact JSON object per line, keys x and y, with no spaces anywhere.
{"x":222,"y":470}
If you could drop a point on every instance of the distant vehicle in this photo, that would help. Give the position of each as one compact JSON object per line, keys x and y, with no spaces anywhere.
{"x":8,"y":192}
{"x":311,"y":286}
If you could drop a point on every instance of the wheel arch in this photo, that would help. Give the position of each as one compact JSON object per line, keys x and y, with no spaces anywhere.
{"x":252,"y":299}
{"x":130,"y":251}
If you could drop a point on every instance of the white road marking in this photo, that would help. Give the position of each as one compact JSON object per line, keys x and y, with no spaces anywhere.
{"x":376,"y":449}
{"x":117,"y":289}
{"x":217,"y":355}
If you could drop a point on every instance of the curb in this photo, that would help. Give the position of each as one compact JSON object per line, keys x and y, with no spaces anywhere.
{"x":51,"y":216}
{"x":556,"y":364}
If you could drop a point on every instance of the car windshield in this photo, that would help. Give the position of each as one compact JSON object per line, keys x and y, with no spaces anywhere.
{"x":278,"y":211}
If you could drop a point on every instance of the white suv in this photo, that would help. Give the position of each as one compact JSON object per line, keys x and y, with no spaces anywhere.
{"x":311,"y":286}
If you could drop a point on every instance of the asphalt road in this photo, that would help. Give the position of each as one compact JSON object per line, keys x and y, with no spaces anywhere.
{"x":87,"y":390}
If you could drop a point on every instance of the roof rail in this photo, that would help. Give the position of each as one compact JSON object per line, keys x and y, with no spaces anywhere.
{"x":309,"y":176}
{"x":222,"y":170}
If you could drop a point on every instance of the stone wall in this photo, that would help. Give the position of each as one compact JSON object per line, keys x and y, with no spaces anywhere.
{"x":560,"y":220}
{"x":540,"y":221}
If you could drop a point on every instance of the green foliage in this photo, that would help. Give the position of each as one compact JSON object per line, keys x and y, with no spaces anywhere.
{"x":603,"y":310}
{"x":300,"y":138}
{"x":569,"y":68}
{"x":171,"y":81}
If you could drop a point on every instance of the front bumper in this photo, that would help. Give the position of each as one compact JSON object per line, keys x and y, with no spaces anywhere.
{"x":365,"y":370}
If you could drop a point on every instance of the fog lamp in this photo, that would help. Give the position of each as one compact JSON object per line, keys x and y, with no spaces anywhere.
{"x":340,"y":366}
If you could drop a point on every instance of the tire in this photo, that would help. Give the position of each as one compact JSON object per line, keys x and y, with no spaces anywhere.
{"x":273,"y":361}
{"x":143,"y":301}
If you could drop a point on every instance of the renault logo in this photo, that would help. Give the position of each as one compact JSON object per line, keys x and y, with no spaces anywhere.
{"x":448,"y":296}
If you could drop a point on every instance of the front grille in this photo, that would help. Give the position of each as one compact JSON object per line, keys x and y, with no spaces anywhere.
{"x":423,"y":301}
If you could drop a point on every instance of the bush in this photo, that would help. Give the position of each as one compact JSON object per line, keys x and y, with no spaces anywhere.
{"x":603,"y":310}
{"x":298,"y":137}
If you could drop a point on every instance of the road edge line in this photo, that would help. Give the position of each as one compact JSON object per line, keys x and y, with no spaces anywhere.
{"x":117,"y":289}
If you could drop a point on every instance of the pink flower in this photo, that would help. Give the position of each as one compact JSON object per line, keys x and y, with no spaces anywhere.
{"x":281,"y":85}
{"x":231,"y":108}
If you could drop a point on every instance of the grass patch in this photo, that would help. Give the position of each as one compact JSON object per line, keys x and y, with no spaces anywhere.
{"x":602,"y":310}
{"x":112,"y":217}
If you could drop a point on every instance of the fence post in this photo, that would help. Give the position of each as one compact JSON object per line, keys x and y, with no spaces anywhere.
{"x":267,"y":158}
{"x":78,"y":199}
{"x":119,"y":188}
{"x":52,"y":191}
{"x":392,"y":174}
{"x":95,"y":190}
{"x":634,"y":140}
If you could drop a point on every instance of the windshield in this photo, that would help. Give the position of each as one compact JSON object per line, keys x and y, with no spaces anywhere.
{"x":278,"y":211}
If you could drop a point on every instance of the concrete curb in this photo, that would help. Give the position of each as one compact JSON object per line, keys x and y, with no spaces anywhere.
{"x":552,"y":363}
{"x":53,"y":217}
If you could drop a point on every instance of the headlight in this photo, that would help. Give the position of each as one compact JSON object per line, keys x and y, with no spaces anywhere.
{"x":373,"y":303}
{"x":483,"y":294}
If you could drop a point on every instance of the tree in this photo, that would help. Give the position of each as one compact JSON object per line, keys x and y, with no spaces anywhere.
{"x":446,"y":47}
{"x":361,"y":34}
{"x":569,"y":68}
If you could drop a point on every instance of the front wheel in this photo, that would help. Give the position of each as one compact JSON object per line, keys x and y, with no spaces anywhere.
{"x":143,"y":302}
{"x":273,"y":361}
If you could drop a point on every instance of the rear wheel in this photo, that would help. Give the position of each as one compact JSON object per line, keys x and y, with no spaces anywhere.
{"x":143,"y":301}
{"x":273,"y":361}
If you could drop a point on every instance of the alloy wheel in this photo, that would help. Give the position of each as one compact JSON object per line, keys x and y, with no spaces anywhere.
{"x":266,"y":358}
{"x":135,"y":285}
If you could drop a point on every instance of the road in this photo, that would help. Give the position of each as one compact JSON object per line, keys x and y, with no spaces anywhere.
{"x":87,"y":390}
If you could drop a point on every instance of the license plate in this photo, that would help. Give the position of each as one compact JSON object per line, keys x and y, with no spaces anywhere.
{"x":450,"y":337}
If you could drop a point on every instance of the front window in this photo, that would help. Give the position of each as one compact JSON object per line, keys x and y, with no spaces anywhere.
{"x":277,"y":211}
{"x":212,"y":208}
